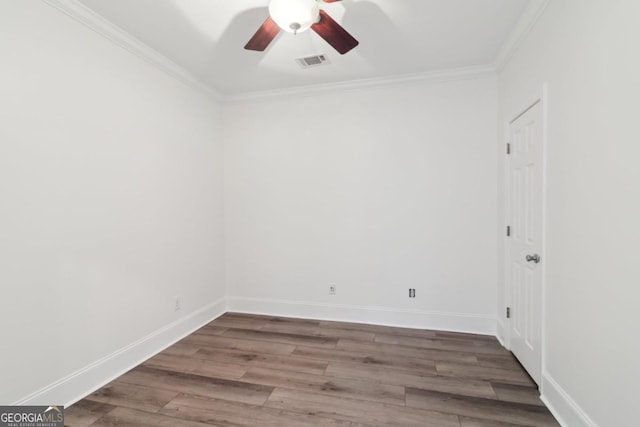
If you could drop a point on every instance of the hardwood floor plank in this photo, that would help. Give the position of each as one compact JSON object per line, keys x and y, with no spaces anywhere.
{"x":322,"y":332}
{"x":211,"y":330}
{"x":484,"y":374}
{"x":195,"y":384}
{"x":517,"y":393}
{"x":410,"y":352}
{"x":515,"y":413}
{"x":320,"y":384}
{"x":346,"y":334}
{"x":286,"y":328}
{"x":507,"y":361}
{"x":377,"y":329}
{"x":358,"y":411}
{"x":124,"y":417}
{"x":368,"y":358}
{"x":222,"y":412}
{"x":208,"y":341}
{"x":385,"y":375}
{"x":440,"y":344}
{"x":193,"y":365}
{"x":476,"y":422}
{"x":328,"y":355}
{"x":292,"y":363}
{"x":293,"y":321}
{"x":133,"y":396}
{"x":313,"y":328}
{"x":284,"y":338}
{"x":85,"y":412}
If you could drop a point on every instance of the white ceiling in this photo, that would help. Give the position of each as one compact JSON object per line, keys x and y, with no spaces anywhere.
{"x":397,"y":37}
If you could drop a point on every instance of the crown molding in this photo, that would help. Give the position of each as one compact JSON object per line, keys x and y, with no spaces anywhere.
{"x":525,"y":24}
{"x":352,"y":85}
{"x":120,"y":37}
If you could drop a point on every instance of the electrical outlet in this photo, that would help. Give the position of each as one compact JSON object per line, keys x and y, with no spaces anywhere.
{"x":412,"y":293}
{"x":177,"y":305}
{"x":332,"y":289}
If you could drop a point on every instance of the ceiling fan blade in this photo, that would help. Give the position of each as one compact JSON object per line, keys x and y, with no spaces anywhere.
{"x":265,"y":34}
{"x":334,"y":34}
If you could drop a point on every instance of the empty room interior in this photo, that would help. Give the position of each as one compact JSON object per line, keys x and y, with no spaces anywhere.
{"x":301,"y":212}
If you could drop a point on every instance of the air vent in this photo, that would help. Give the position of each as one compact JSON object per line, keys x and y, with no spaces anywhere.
{"x":313,"y":61}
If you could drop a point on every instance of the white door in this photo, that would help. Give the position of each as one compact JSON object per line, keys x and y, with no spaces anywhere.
{"x":525,"y":241}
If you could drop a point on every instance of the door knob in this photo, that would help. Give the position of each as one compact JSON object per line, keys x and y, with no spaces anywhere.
{"x":535,"y":258}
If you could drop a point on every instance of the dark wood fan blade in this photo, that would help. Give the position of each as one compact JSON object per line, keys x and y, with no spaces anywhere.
{"x":265,"y":34}
{"x":334,"y":34}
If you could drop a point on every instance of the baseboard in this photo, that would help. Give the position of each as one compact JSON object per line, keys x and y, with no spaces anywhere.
{"x":500,"y":332}
{"x":562,"y":406}
{"x":83,"y":382}
{"x":456,"y":322}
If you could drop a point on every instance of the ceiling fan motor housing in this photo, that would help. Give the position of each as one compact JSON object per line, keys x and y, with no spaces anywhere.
{"x":294,"y":16}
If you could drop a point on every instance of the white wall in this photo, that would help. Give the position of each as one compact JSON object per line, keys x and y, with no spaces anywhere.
{"x":374,"y":190}
{"x":587,"y":52}
{"x":110,"y":200}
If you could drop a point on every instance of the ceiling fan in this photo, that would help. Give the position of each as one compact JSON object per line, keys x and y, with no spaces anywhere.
{"x":296,"y":16}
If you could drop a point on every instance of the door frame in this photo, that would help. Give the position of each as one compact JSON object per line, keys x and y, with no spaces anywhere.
{"x":540,"y":97}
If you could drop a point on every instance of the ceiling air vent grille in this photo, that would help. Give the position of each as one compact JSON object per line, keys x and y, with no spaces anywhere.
{"x":312,"y":61}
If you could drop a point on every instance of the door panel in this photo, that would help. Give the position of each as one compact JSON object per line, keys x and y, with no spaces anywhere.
{"x":525,"y":165}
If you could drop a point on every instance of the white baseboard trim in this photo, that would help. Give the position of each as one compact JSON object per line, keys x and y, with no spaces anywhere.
{"x":85,"y":381}
{"x":562,"y":406}
{"x":500,"y":333}
{"x":406,"y":318}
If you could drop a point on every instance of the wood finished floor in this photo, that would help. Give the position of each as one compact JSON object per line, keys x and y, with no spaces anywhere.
{"x":247,"y":370}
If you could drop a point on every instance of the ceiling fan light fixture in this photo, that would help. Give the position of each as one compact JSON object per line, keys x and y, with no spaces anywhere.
{"x":294,"y":16}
